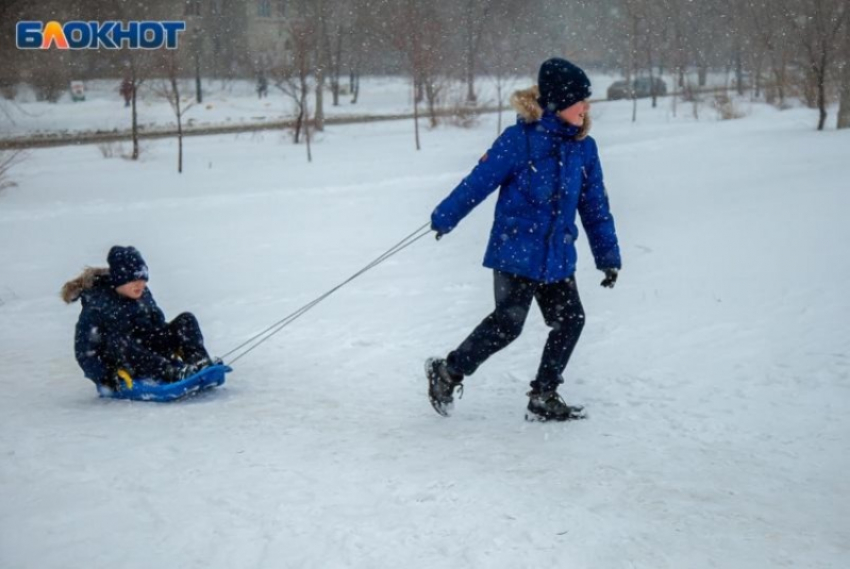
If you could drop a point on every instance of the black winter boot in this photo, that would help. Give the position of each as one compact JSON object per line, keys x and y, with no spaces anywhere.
{"x":175,"y":373}
{"x":549,"y":406}
{"x":206,"y":362}
{"x":442,"y":385}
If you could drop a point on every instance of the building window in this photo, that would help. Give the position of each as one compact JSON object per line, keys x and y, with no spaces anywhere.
{"x":264,"y":8}
{"x":281,"y":8}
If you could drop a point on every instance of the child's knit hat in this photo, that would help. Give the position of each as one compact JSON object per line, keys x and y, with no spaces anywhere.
{"x":562,"y":84}
{"x":126,"y":265}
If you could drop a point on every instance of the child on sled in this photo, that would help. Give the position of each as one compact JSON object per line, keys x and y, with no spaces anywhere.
{"x":121,"y":328}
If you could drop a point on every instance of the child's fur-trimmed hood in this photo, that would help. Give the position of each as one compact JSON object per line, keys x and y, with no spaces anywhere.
{"x":74,"y":289}
{"x":529,"y":110}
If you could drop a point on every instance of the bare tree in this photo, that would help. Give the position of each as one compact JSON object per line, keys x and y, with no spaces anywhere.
{"x":416,"y":35}
{"x":13,"y":64}
{"x":320,"y":43}
{"x":335,"y":57}
{"x":365,"y":37}
{"x":292,"y":75}
{"x":8,"y":160}
{"x":817,"y":24}
{"x":650,"y":47}
{"x":844,"y":85}
{"x":680,"y":41}
{"x":137,"y":66}
{"x":476,"y":19}
{"x":334,"y":34}
{"x":197,"y":48}
{"x":169,"y":88}
{"x":498,"y":53}
{"x":135,"y":78}
{"x":769,"y":30}
{"x":632,"y":26}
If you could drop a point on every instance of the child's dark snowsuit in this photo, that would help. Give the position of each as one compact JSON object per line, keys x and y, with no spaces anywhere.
{"x":115,"y":332}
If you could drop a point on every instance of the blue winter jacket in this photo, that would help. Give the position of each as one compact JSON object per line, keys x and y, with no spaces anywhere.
{"x":108,"y":319}
{"x":545,"y":175}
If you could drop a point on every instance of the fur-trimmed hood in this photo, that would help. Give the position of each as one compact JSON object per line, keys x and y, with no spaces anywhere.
{"x":88,"y":279}
{"x":529,"y":110}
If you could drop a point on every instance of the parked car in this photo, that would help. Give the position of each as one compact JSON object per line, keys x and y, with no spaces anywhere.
{"x":642,"y":87}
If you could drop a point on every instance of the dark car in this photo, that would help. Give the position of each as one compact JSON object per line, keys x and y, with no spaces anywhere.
{"x":642,"y":87}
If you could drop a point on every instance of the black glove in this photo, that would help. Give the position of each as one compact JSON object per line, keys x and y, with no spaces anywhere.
{"x":439,"y":232}
{"x":610,"y":278}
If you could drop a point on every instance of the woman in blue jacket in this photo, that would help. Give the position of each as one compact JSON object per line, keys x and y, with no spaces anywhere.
{"x":547,"y":169}
{"x":121,"y":326}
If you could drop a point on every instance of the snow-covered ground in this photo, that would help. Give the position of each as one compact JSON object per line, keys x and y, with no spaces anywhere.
{"x":236,"y":102}
{"x":224,"y":103}
{"x":716,"y":374}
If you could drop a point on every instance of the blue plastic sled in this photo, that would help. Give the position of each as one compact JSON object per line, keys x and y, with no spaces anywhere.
{"x":153,"y":390}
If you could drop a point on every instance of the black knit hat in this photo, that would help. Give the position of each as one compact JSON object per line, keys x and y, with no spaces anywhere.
{"x":126,"y":265}
{"x":561,"y":84}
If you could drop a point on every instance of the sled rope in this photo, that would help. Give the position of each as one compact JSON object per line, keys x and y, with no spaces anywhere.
{"x":261,"y":337}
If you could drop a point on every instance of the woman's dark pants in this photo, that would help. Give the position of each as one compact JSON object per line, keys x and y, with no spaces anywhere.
{"x":562,"y":310}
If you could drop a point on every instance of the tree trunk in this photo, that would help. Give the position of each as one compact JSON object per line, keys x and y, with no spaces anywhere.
{"x":844,"y":101}
{"x":652,"y":88}
{"x":779,"y":89}
{"x":739,"y":71}
{"x":499,"y":103}
{"x":416,"y":121}
{"x":135,"y":127}
{"x":299,"y":120}
{"x":307,"y":133}
{"x":179,"y":144}
{"x":470,"y":54}
{"x":844,"y":83}
{"x":470,"y":82}
{"x":319,"y":114}
{"x":821,"y":92}
{"x":432,"y":103}
{"x":336,"y":70}
{"x":355,"y":88}
{"x":420,"y":90}
{"x":199,"y":95}
{"x":179,"y":113}
{"x":755,"y":65}
{"x":632,"y":65}
{"x":674,"y":103}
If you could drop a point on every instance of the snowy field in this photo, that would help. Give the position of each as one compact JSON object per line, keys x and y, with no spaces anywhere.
{"x":225,"y":102}
{"x":716,"y":373}
{"x":236,"y":102}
